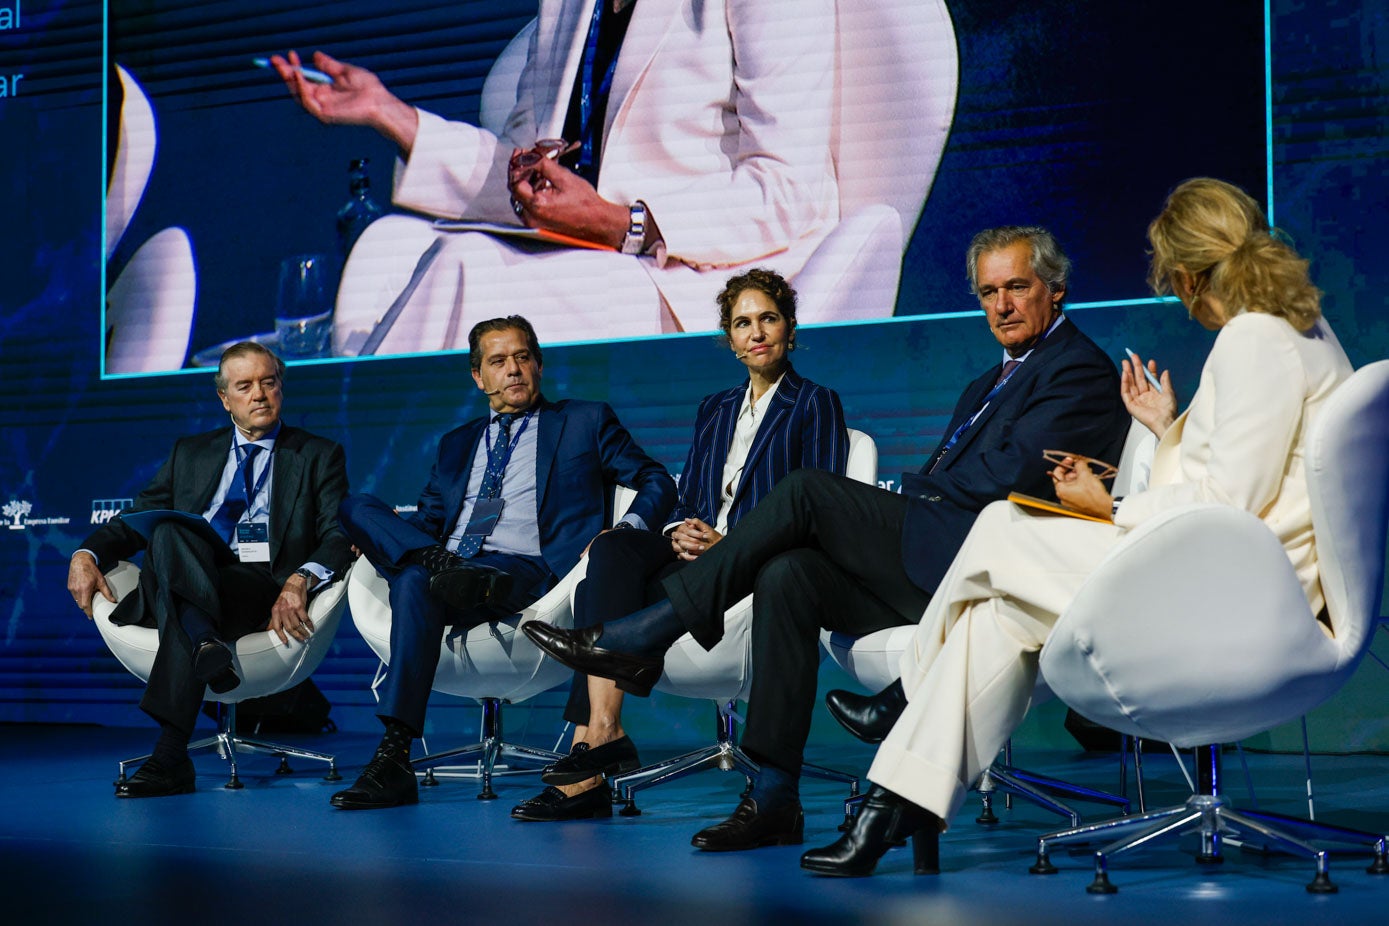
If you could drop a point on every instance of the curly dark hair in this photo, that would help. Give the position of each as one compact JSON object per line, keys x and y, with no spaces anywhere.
{"x":768,"y":282}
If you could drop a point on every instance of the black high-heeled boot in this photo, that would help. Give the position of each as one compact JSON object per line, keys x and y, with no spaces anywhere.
{"x":883,"y":820}
{"x":868,"y":717}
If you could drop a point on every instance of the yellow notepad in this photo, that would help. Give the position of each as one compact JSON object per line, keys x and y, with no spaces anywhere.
{"x":1042,"y":504}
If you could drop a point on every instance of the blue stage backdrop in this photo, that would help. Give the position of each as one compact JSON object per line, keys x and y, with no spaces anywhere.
{"x":1078,"y":116}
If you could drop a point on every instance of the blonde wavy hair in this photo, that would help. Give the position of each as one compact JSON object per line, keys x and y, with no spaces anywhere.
{"x":1217,"y":233}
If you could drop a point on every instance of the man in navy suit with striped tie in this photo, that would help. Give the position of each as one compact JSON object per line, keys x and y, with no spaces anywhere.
{"x":513,"y":500}
{"x":823,"y":551}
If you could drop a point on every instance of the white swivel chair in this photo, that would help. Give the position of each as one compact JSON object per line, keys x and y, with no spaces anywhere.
{"x":493,"y":663}
{"x":149,"y":308}
{"x":894,"y":102}
{"x":874,"y":661}
{"x":265,"y":665}
{"x":1195,"y":630}
{"x":724,"y":675}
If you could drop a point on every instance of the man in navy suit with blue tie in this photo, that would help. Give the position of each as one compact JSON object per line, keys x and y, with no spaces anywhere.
{"x":512,"y":502}
{"x":854,"y":558}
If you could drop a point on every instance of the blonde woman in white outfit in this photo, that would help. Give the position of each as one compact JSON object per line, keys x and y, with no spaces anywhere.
{"x":967,"y":680}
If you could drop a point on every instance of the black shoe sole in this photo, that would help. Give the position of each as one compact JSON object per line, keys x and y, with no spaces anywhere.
{"x":348,"y":804}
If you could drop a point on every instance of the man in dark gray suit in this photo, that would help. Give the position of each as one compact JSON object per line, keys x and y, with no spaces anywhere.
{"x":271,"y":492}
{"x":824,"y":551}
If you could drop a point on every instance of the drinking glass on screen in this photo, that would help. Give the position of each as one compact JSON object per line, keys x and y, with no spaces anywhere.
{"x":304,"y":305}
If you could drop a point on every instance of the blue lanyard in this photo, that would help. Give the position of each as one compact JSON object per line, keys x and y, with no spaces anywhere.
{"x":511,"y":448}
{"x":586,"y":129}
{"x":969,"y":422}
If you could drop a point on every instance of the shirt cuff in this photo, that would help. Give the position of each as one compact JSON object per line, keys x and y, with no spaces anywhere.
{"x":323,"y":574}
{"x":635,"y":520}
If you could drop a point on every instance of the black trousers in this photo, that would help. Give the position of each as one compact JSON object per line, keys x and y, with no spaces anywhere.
{"x":181,"y":569}
{"x":820,"y":551}
{"x":625,"y":568}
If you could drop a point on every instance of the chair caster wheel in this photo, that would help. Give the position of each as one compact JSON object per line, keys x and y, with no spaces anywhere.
{"x":1321,"y":884}
{"x":1101,"y":885}
{"x":332,"y":774}
{"x":284,"y":768}
{"x":629,"y":809}
{"x":1380,"y":866}
{"x":986,"y":818}
{"x":1210,"y":860}
{"x":1043,"y":866}
{"x":234,"y":785}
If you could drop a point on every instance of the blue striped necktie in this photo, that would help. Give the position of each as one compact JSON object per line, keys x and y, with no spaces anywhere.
{"x":491,"y":479}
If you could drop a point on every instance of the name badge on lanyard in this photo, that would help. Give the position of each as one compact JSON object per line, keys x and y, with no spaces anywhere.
{"x":253,"y":542}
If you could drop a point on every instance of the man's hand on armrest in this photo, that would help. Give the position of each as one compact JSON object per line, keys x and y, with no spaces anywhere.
{"x":85,"y":580}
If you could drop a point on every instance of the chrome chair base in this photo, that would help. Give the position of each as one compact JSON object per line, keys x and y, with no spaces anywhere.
{"x":724,"y":754}
{"x":490,"y":751}
{"x":228,"y":743}
{"x":1209,"y":814}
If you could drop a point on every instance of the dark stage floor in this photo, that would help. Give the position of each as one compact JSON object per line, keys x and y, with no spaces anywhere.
{"x":275,"y":852}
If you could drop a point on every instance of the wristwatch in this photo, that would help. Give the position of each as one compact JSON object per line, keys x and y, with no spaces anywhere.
{"x":308,"y":575}
{"x":634,"y":242}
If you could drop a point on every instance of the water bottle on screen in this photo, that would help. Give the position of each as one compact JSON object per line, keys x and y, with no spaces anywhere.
{"x":360,"y":211}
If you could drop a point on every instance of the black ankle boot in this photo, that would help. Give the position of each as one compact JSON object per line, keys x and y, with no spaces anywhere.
{"x":868,"y":717}
{"x":883,"y":819}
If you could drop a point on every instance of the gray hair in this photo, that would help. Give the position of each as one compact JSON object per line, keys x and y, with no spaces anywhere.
{"x":243,"y":349}
{"x":1049,"y":262}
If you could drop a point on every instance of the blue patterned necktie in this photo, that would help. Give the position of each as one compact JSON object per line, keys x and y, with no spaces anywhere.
{"x":238,"y":495}
{"x":491,"y":479}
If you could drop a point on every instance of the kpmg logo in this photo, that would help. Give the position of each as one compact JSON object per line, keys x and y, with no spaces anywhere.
{"x":17,"y":518}
{"x":104,"y":509}
{"x":16,"y":512}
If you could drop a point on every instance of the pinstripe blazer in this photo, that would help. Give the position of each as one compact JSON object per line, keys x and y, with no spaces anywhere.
{"x":803,"y":427}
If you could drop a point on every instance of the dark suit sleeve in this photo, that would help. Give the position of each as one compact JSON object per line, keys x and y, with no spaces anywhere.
{"x":329,"y":473}
{"x":625,"y":463}
{"x":113,"y":541}
{"x":824,"y":439}
{"x":1073,"y":405}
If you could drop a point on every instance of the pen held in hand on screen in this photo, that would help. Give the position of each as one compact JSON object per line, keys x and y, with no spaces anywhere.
{"x":1147,"y":373}
{"x":311,"y":75}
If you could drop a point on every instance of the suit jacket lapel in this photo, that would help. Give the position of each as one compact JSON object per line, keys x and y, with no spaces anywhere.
{"x":1031,"y":367}
{"x":549,"y":425}
{"x":647,"y":31}
{"x":781,"y":404}
{"x":725,"y":420}
{"x":205,"y":467}
{"x":565,"y":61}
{"x":285,"y":481}
{"x":457,"y":479}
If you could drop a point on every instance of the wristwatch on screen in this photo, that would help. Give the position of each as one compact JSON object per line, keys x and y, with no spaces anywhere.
{"x":634,"y":242}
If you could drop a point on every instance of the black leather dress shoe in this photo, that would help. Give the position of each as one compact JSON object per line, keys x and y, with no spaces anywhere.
{"x":750,"y":829}
{"x":385,"y":782}
{"x":212,"y":664}
{"x":552,"y":804}
{"x":468,"y":585}
{"x":883,"y":821}
{"x":584,"y":762}
{"x":868,"y":717}
{"x":575,"y":649}
{"x":154,"y":780}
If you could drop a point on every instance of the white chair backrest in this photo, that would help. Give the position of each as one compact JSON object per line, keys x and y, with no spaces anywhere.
{"x":1348,"y":483}
{"x":894,"y":100}
{"x":135,"y":147}
{"x":862,"y":464}
{"x":895,"y":88}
